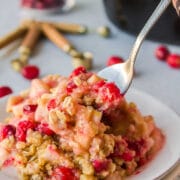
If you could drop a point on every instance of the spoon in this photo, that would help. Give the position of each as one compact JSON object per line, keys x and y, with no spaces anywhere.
{"x":122,"y":74}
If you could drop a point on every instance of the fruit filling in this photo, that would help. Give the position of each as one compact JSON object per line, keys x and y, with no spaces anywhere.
{"x":76,"y":128}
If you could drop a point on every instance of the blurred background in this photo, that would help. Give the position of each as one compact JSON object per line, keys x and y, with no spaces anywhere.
{"x":122,"y":20}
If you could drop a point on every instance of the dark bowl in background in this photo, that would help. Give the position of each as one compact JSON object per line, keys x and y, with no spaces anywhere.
{"x":131,"y":15}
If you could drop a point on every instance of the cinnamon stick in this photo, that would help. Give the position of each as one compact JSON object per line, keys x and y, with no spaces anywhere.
{"x":61,"y":26}
{"x":56,"y":37}
{"x":12,"y":36}
{"x":30,"y":39}
{"x":70,"y":28}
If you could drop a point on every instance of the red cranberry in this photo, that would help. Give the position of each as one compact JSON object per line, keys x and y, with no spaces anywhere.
{"x":44,"y":129}
{"x":22,"y":128}
{"x":142,"y":161}
{"x":50,"y":3}
{"x":8,"y":162}
{"x":30,"y":72}
{"x":30,"y":108}
{"x":118,"y":145}
{"x":78,"y":71}
{"x":127,"y":156}
{"x":7,"y":131}
{"x":20,"y":134}
{"x":98,"y":85}
{"x":173,"y":60}
{"x":51,"y":104}
{"x":27,"y":3}
{"x":100,"y":165}
{"x":114,"y":60}
{"x":64,"y":173}
{"x":70,"y":87}
{"x":137,"y":146}
{"x":110,"y":92}
{"x":39,"y":5}
{"x":162,"y":53}
{"x":25,"y":125}
{"x":5,"y":90}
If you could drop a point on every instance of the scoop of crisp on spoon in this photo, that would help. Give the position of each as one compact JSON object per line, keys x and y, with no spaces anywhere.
{"x":122,"y":74}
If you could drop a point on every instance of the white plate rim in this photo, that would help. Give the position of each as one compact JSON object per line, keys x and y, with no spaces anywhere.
{"x":131,"y":96}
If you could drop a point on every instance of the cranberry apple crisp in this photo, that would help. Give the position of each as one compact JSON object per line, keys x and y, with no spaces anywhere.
{"x":76,"y":127}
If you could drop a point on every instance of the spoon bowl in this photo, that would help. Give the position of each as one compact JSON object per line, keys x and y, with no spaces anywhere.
{"x":122,"y":74}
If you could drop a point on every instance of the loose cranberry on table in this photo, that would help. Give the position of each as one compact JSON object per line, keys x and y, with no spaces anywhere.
{"x":30,"y":72}
{"x":5,"y":90}
{"x":114,"y":60}
{"x":162,"y":53}
{"x":173,"y":60}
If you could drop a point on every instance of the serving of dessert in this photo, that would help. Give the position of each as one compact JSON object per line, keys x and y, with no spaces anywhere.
{"x":76,"y":127}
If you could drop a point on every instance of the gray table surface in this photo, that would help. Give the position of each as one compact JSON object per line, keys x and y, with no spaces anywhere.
{"x":152,"y":76}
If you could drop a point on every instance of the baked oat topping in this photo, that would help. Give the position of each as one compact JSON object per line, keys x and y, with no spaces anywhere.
{"x":76,"y":127}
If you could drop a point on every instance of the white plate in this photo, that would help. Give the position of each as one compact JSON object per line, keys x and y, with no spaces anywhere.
{"x":165,"y":118}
